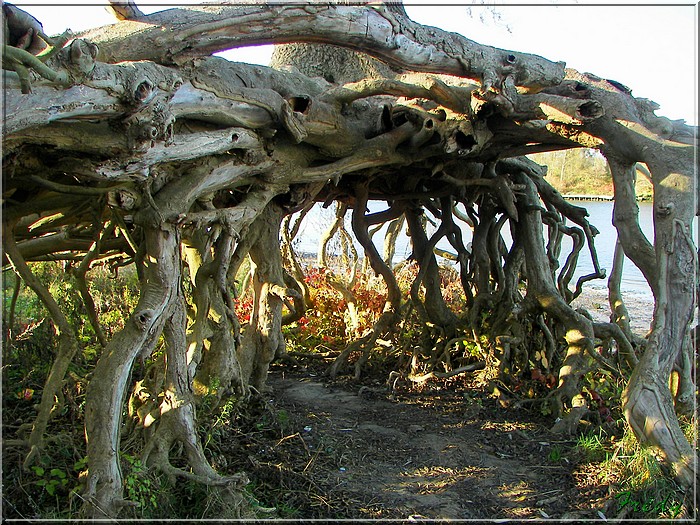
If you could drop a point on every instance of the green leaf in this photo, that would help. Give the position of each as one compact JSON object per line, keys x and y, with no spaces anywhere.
{"x":51,"y":489}
{"x":41,"y":482}
{"x":57,"y":472}
{"x":39,"y":471}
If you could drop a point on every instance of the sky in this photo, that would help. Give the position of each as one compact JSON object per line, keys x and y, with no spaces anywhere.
{"x":650,"y":48}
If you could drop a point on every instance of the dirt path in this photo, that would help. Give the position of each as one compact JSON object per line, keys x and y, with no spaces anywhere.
{"x":438,"y":454}
{"x":363,"y":451}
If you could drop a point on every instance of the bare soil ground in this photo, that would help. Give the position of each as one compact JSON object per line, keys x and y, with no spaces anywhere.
{"x":447,"y":450}
{"x":639,"y":304}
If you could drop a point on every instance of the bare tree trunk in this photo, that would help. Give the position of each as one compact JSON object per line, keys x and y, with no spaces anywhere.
{"x":617,"y":305}
{"x":80,"y":273}
{"x":177,"y":411}
{"x":107,"y":390}
{"x":334,"y":279}
{"x":626,"y":220}
{"x":293,"y":267}
{"x":263,"y":338}
{"x":647,"y":400}
{"x":392,"y":234}
{"x":216,"y":370}
{"x":392,"y":304}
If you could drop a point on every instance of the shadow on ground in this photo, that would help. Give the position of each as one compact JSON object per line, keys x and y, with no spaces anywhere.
{"x":443,"y":453}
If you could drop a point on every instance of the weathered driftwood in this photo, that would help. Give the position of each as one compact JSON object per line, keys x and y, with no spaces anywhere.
{"x":157,"y":150}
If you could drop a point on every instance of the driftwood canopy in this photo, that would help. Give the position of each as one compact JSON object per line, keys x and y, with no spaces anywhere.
{"x":131,"y":145}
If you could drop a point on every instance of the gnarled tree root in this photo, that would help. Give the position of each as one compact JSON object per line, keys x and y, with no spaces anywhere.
{"x":67,"y":347}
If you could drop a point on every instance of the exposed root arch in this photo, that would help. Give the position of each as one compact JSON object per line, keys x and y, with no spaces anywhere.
{"x":159,"y":149}
{"x":386,"y":324}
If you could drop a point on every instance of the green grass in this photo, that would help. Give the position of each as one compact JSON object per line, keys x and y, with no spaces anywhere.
{"x":643,"y":489}
{"x":593,"y":447}
{"x":555,"y":454}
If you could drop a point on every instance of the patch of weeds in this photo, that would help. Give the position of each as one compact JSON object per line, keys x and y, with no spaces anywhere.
{"x":283,"y":419}
{"x":658,"y":500}
{"x":258,"y":508}
{"x":286,"y":511}
{"x":689,"y":426}
{"x":138,"y":485}
{"x":473,"y":398}
{"x":46,"y":490}
{"x":50,"y":480}
{"x":555,"y":455}
{"x":208,"y":395}
{"x":192,"y":499}
{"x":644,"y":491}
{"x":593,"y":447}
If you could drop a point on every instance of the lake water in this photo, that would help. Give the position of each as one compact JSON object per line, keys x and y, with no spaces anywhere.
{"x":600,"y":215}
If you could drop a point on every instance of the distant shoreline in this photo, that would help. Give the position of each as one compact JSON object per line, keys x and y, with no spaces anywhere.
{"x":588,"y":197}
{"x":603,"y":198}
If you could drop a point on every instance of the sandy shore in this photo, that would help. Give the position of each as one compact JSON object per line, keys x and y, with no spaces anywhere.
{"x":639,"y":305}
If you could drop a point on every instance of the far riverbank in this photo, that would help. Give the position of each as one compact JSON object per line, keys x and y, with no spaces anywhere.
{"x":610,"y":198}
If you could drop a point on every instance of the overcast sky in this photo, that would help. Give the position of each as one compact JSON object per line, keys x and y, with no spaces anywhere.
{"x":650,"y":48}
